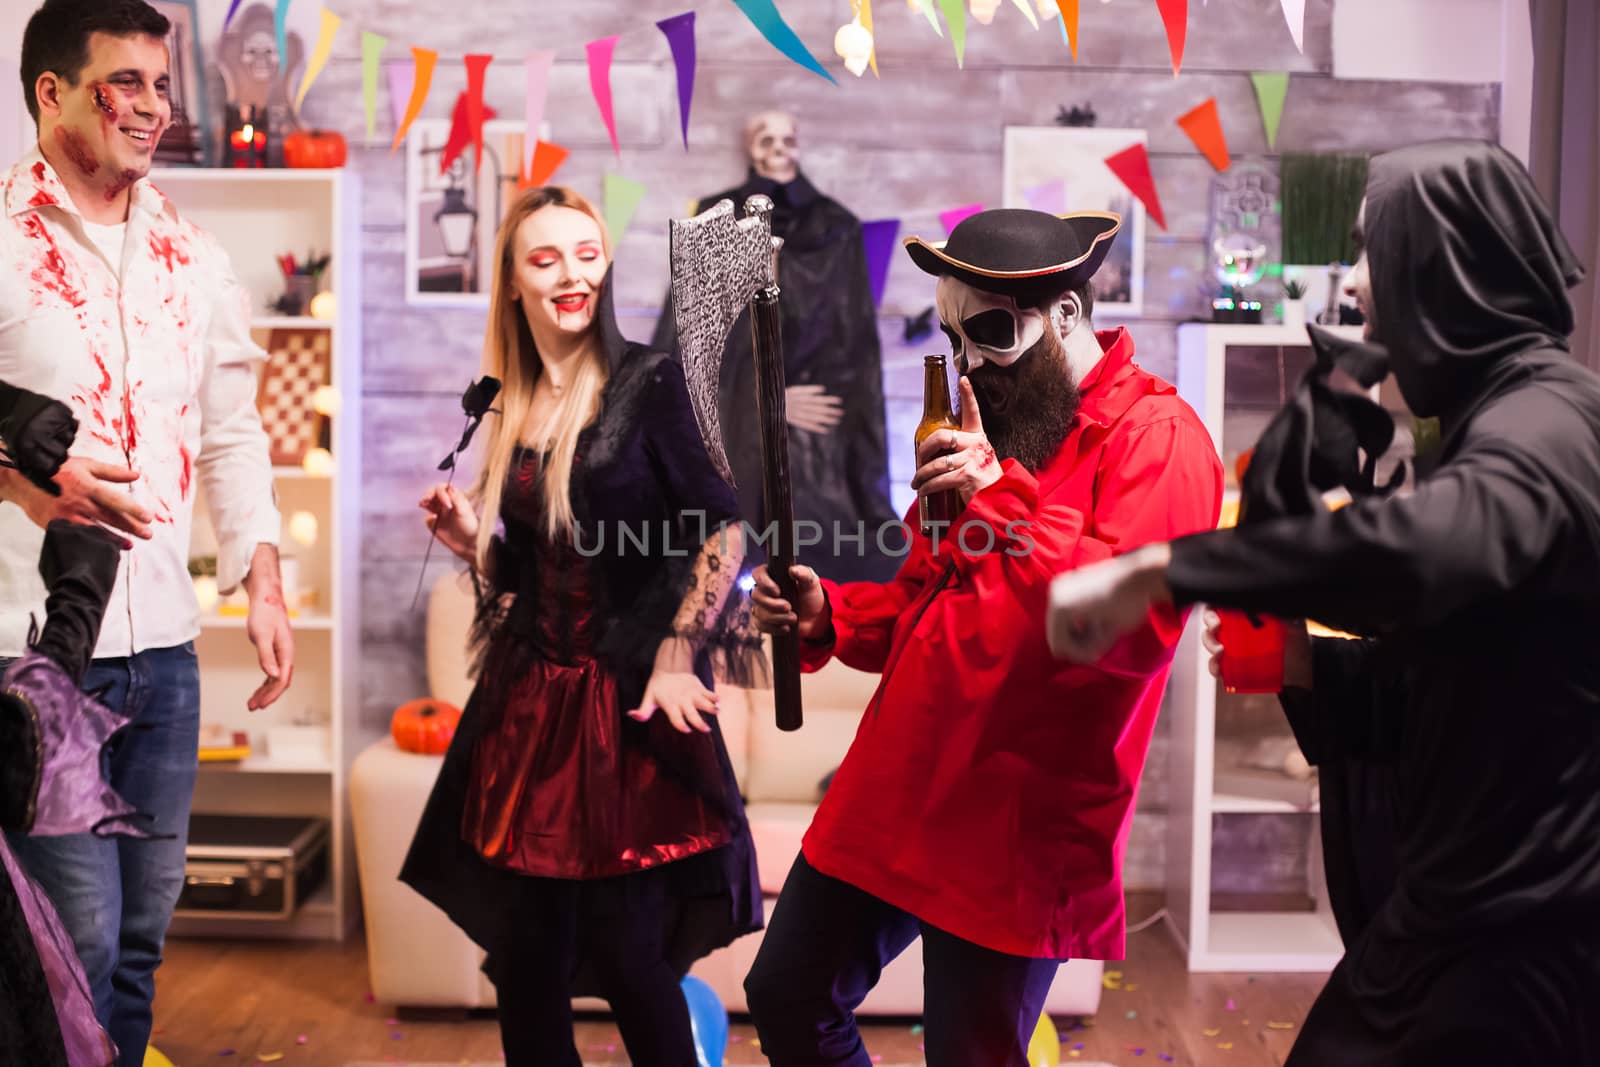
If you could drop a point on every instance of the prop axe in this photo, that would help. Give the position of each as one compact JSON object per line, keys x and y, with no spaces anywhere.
{"x":720,"y":266}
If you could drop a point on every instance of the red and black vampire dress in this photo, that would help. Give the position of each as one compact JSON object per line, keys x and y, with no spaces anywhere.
{"x":549,"y":787}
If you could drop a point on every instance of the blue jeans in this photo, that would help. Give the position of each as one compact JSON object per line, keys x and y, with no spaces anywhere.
{"x":116,"y":895}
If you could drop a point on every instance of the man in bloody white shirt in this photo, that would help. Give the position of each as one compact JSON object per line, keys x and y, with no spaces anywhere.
{"x":114,"y":304}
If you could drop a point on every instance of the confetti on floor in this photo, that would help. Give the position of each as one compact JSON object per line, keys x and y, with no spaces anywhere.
{"x":1231,"y":1006}
{"x":917,"y":1029}
{"x":268,"y":1057}
{"x":300,"y":1040}
{"x":1111,"y":980}
{"x":1280,"y":1026}
{"x":1224,"y":1045}
{"x":1133,"y":1015}
{"x":225,"y":1052}
{"x":1131,"y":987}
{"x":1211,"y":1033}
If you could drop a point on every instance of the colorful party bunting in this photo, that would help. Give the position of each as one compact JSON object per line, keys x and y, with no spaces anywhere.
{"x":1132,"y":167}
{"x":1175,"y":13}
{"x":1050,"y":197}
{"x":779,"y":34}
{"x":1204,"y":127}
{"x":228,"y":18}
{"x":1033,"y":20}
{"x":955,"y":13}
{"x":1271,"y":90}
{"x":600,"y":84}
{"x":461,"y":128}
{"x":622,"y":196}
{"x":679,"y":31}
{"x":547,"y":159}
{"x":1069,"y":24}
{"x":863,"y":11}
{"x":371,"y":50}
{"x":950,"y":219}
{"x":422,"y":61}
{"x":280,"y":18}
{"x":878,"y":236}
{"x":401,"y":76}
{"x":1294,"y":13}
{"x":477,"y":66}
{"x":319,"y":55}
{"x":537,"y":69}
{"x":926,"y":7}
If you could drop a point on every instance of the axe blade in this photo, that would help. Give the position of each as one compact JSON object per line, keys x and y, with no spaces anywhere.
{"x":718,"y":264}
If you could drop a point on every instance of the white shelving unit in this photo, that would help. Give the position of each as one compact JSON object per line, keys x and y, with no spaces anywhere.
{"x":257,"y":214}
{"x":1217,"y":365}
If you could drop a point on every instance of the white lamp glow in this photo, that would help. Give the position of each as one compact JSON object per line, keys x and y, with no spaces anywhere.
{"x":318,"y":463}
{"x":325,"y":401}
{"x":303,"y":528}
{"x":205,"y":591}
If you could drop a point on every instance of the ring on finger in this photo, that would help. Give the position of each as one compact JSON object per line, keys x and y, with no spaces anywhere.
{"x":950,"y":462}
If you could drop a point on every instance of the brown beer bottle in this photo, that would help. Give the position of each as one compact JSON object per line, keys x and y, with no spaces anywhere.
{"x":940,"y":507}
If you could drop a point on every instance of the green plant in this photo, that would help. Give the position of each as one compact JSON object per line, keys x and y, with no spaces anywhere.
{"x":1321,"y":198}
{"x":1295,"y":289}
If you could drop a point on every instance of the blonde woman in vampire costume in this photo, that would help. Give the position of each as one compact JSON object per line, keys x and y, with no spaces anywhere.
{"x":586,"y":828}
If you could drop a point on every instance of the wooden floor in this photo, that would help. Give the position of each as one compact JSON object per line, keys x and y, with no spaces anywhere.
{"x":309,"y":1003}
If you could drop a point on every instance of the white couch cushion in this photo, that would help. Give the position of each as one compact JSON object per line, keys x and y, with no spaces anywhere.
{"x":777,"y":830}
{"x":790,"y":766}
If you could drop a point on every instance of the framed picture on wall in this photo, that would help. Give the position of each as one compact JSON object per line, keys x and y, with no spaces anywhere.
{"x":187,"y":140}
{"x":452,"y":215}
{"x":1062,"y":169}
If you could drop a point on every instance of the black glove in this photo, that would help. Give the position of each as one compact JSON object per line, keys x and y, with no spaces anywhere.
{"x":36,"y":432}
{"x":79,"y":566}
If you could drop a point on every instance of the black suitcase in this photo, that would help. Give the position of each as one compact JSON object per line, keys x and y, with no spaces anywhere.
{"x":252,"y":866}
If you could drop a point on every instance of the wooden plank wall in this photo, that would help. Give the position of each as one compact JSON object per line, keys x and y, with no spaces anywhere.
{"x":925,"y":137}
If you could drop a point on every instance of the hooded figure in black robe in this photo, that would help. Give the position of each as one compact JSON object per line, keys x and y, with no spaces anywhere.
{"x":1478,"y":596}
{"x":839,"y":475}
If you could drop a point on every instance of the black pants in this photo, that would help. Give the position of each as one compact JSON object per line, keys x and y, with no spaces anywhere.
{"x":615,"y":924}
{"x":824,"y":949}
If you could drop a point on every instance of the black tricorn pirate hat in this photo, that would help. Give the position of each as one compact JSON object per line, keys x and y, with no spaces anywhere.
{"x":1029,"y":255}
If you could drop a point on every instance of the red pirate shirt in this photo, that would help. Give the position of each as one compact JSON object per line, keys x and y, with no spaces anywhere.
{"x":990,"y":787}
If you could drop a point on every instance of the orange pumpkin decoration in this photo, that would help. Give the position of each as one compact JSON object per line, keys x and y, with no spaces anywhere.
{"x":425,"y":726}
{"x":314,"y":148}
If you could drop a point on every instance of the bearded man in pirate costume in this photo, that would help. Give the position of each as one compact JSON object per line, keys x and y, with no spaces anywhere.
{"x":985,"y":802}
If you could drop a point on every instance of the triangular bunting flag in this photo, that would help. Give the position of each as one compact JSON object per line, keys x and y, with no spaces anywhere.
{"x":1175,"y":13}
{"x":477,"y":65}
{"x":1204,"y":127}
{"x":878,"y":238}
{"x":779,"y":34}
{"x":280,"y":18}
{"x":461,"y":127}
{"x":1294,"y":13}
{"x":319,"y":55}
{"x":955,"y":13}
{"x":1069,"y":24}
{"x":371,"y":50}
{"x":422,"y":63}
{"x":926,"y":7}
{"x":679,"y":31}
{"x":1033,"y":20}
{"x":1132,"y":167}
{"x":622,"y":196}
{"x":863,"y":10}
{"x":1271,"y":91}
{"x":600,"y":84}
{"x":537,"y":69}
{"x":402,"y":75}
{"x":952,"y":218}
{"x":228,"y":18}
{"x":547,"y":159}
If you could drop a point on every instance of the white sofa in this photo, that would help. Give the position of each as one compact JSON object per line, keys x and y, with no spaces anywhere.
{"x":418,"y":958}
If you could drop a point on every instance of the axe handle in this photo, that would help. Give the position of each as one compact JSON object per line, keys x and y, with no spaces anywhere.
{"x":778,"y":501}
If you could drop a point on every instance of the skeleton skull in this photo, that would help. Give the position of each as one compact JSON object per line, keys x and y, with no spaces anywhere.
{"x":772,"y":144}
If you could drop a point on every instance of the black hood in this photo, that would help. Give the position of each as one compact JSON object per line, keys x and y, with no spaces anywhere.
{"x":1468,"y":267}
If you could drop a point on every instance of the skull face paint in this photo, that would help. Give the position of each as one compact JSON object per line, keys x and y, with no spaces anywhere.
{"x":985,"y":327}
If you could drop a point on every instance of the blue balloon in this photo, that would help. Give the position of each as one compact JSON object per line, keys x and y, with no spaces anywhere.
{"x":709,"y":1021}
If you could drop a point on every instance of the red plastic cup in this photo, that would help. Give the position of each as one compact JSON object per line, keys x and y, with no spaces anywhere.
{"x":1252,"y":656}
